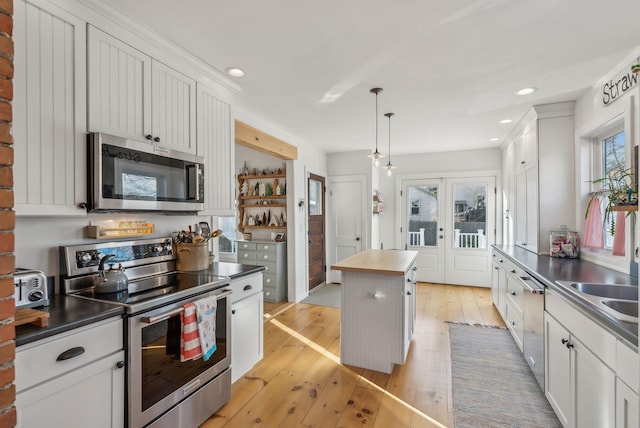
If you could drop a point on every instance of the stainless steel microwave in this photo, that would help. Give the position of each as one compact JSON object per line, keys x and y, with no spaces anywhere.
{"x":130,"y":175}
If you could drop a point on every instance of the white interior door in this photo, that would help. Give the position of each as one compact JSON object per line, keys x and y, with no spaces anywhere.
{"x":347,"y":205}
{"x":450,"y":222}
{"x":469,"y":230}
{"x":423,"y":230}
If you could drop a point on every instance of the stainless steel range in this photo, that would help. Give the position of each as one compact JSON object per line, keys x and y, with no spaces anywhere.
{"x":161,"y":391}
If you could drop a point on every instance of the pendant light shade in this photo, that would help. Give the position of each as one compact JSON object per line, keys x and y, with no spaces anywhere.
{"x":388,"y":166}
{"x":376,"y":155}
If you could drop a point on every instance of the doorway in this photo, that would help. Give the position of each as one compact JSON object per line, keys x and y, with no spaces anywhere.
{"x":316,"y":231}
{"x":450,"y":222}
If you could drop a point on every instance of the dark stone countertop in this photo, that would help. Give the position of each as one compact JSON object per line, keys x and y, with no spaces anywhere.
{"x":68,"y":312}
{"x":548,"y":270}
{"x":233,"y":270}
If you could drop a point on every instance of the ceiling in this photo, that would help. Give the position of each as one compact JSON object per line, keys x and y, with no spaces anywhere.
{"x":449,"y":69}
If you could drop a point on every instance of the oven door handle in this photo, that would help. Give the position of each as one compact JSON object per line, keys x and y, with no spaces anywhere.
{"x":177,"y":311}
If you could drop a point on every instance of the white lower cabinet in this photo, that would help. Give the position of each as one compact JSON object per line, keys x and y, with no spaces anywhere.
{"x":246,"y":324}
{"x":74,"y":379}
{"x":579,"y":385}
{"x":627,"y":407}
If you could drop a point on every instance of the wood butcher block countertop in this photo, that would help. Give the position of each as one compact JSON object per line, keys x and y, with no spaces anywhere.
{"x":387,"y":262}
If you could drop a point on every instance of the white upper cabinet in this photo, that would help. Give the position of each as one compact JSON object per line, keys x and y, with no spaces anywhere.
{"x":49,"y":110}
{"x":119,"y":87}
{"x":543,"y":182}
{"x":215,"y":143}
{"x":134,"y":96}
{"x":174,"y":108}
{"x":526,"y":147}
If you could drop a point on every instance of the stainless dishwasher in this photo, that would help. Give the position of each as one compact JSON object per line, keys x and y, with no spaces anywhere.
{"x":533,"y":335}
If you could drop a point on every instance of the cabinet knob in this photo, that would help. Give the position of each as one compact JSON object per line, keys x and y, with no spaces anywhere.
{"x":82,"y":205}
{"x":120,"y":364}
{"x":233,"y":311}
{"x":357,"y":238}
{"x":569,"y":345}
{"x":156,"y":139}
{"x":149,"y":137}
{"x":513,"y":271}
{"x":513,"y":293}
{"x":564,"y":341}
{"x":247,"y":287}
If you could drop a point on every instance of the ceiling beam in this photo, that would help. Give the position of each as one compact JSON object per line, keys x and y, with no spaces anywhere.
{"x":253,"y":138}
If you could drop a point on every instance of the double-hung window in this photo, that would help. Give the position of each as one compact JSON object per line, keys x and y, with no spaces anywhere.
{"x":610,"y":160}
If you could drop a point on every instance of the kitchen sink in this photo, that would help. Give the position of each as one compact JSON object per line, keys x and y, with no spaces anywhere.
{"x":623,"y":306}
{"x":612,"y":291}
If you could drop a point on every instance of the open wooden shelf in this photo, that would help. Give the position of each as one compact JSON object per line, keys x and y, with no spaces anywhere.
{"x":624,"y":208}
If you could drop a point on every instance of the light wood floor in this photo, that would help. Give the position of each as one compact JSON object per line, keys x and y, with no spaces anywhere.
{"x":301,"y":383}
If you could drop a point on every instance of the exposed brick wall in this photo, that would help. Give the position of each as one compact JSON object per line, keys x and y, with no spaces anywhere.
{"x":7,"y":221}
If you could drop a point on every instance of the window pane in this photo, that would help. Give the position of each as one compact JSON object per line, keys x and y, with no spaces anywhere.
{"x":227,"y":241}
{"x":613,"y":162}
{"x":469,"y":216}
{"x":423,"y":216}
{"x":315,"y":197}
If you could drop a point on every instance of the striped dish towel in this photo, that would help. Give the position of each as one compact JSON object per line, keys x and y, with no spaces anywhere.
{"x":206,"y":309}
{"x":189,"y":338}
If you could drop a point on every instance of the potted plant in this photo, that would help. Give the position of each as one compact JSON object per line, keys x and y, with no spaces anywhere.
{"x":621,"y":194}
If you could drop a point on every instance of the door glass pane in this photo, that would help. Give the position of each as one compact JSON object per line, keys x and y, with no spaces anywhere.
{"x":469,"y":215}
{"x":315,"y":197}
{"x":423,"y":216}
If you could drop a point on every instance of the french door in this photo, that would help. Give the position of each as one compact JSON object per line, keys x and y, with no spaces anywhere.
{"x":451,"y":223}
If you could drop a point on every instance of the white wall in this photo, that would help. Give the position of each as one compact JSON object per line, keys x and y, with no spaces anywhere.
{"x":428,"y":163}
{"x":382,"y":228}
{"x":591,"y":115}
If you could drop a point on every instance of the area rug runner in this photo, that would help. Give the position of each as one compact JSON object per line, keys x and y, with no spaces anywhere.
{"x":325,"y":295}
{"x":492,"y":383}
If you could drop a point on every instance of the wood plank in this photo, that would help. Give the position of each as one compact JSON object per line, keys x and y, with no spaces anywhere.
{"x":248,"y":136}
{"x":300,"y":381}
{"x":386,"y":262}
{"x":31,"y":316}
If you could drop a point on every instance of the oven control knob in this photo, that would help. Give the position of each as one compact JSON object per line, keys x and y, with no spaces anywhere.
{"x":168,"y":248}
{"x":157,"y":249}
{"x":98,"y":256}
{"x":85,"y":257}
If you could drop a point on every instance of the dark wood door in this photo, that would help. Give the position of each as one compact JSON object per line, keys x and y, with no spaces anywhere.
{"x":316,"y":231}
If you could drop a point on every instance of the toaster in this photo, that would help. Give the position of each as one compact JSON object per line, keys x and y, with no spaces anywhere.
{"x":30,"y":288}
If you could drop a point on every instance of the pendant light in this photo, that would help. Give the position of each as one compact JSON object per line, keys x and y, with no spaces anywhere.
{"x":376,"y":155}
{"x":388,"y":166}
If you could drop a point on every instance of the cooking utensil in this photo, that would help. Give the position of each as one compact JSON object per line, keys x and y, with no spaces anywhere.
{"x":205,"y":229}
{"x":216,"y":233}
{"x":112,"y":280}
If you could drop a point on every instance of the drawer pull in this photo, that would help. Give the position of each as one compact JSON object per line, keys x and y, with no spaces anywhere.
{"x":513,"y":293}
{"x":268,"y":280}
{"x":265,"y":257}
{"x":247,"y":287}
{"x":71,"y":353}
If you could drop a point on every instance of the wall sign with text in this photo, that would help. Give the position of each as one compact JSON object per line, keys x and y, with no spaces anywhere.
{"x":618,"y":86}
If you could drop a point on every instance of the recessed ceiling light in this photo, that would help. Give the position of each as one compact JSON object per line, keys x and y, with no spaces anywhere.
{"x":526,"y":91}
{"x":505,"y":121}
{"x":234,"y":71}
{"x":494,"y":139}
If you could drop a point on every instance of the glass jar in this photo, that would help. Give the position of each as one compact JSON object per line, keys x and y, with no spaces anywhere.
{"x":564,"y":243}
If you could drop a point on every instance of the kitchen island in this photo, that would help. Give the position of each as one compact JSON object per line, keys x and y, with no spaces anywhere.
{"x":377,"y":308}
